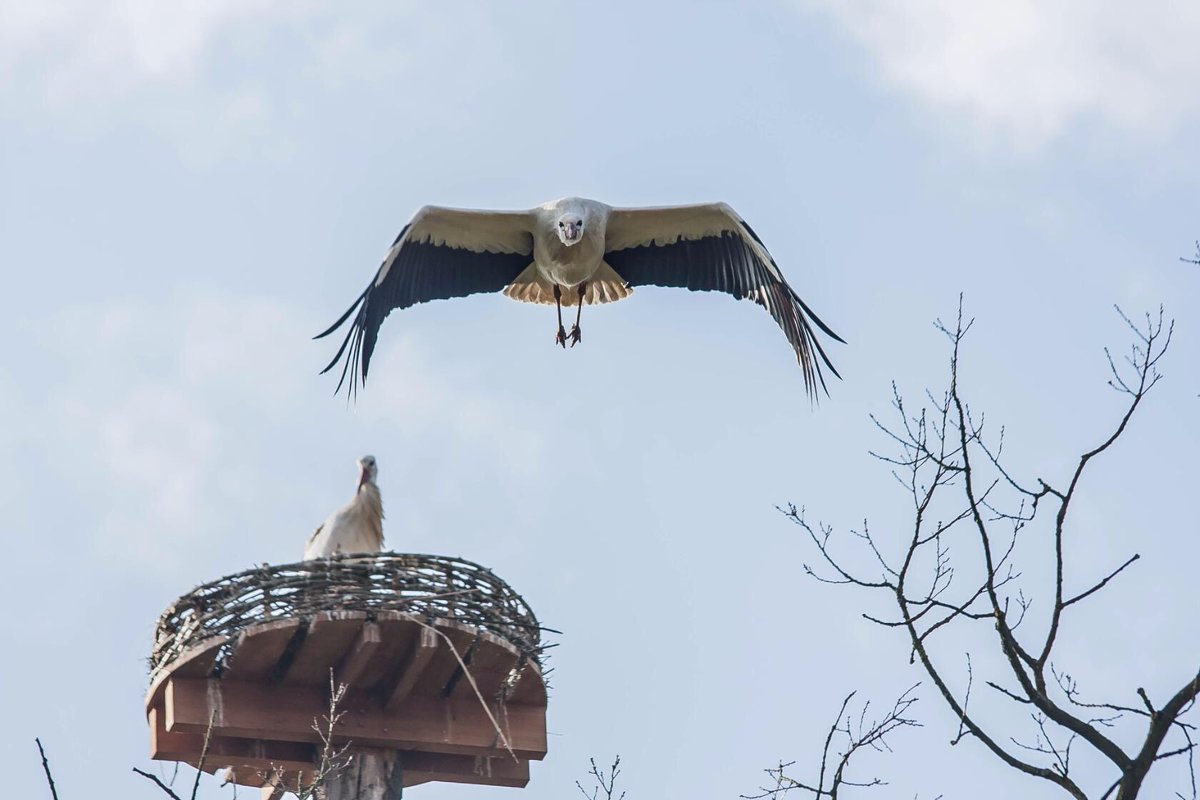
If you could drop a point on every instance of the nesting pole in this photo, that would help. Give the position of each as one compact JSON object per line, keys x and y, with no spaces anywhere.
{"x":365,"y":674}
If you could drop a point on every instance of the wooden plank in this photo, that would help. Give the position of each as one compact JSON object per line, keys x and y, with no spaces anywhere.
{"x":225,"y":751}
{"x":444,"y":666}
{"x":412,"y":668}
{"x":479,"y":770}
{"x":491,"y":662}
{"x":398,"y":632}
{"x":330,"y":635}
{"x":354,"y":664}
{"x":195,"y":662}
{"x":286,"y":713}
{"x":258,"y":649}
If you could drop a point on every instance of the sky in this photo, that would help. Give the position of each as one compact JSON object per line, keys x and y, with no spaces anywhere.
{"x":189,"y":192}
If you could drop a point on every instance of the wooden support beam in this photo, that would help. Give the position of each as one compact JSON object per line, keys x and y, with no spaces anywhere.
{"x":286,"y":713}
{"x":496,"y":771}
{"x":258,"y":649}
{"x":352,"y":666}
{"x":411,"y":668}
{"x":251,"y":754}
{"x":490,"y":667}
{"x":330,"y":636}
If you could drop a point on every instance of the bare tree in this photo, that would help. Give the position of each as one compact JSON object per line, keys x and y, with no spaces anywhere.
{"x":956,"y":567}
{"x":857,"y":732}
{"x":605,"y":786}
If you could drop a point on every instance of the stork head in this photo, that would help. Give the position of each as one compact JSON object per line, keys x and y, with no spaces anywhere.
{"x":570,"y":228}
{"x":367,"y":470}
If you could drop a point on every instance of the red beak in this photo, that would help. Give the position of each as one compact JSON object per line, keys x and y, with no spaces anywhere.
{"x":363,"y":476}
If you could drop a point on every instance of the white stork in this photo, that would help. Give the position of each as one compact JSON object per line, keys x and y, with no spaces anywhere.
{"x":356,"y":527}
{"x":600,"y":252}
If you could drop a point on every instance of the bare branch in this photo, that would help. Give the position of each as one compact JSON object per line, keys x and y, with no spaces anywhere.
{"x":1196,"y":261}
{"x":161,"y":785}
{"x":604,"y":783}
{"x":1102,"y":583}
{"x":46,"y":769}
{"x":212,"y":718}
{"x":858,"y":732}
{"x":333,"y":759}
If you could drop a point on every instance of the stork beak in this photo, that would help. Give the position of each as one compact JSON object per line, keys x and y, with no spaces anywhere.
{"x":363,"y":476}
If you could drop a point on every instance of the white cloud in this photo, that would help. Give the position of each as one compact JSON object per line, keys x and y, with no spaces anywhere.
{"x":85,"y":50}
{"x":176,"y":68}
{"x":159,"y":398}
{"x":1022,"y":71}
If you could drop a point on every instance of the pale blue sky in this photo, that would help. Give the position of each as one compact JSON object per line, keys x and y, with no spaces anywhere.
{"x":186,"y":196}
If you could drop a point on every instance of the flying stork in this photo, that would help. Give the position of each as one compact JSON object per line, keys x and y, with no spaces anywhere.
{"x":571,"y":252}
{"x":356,"y":527}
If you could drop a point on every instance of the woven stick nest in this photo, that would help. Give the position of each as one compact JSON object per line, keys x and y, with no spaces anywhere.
{"x":435,"y":587}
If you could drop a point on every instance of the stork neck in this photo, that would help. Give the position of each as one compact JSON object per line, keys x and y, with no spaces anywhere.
{"x":368,"y":492}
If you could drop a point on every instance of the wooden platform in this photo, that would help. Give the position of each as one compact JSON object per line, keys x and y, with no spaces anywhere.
{"x":406,"y":690}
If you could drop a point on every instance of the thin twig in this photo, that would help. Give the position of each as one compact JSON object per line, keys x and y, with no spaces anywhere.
{"x":212,"y":718}
{"x":46,"y":768}
{"x":161,"y":785}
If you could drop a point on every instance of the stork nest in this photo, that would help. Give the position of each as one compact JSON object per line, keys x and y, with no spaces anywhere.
{"x":434,"y":587}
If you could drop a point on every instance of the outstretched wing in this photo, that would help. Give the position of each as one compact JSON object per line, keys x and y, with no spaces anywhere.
{"x":709,"y":247}
{"x":441,"y":253}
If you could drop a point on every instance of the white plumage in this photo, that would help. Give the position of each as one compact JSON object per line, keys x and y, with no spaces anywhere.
{"x":356,"y":527}
{"x":576,"y":252}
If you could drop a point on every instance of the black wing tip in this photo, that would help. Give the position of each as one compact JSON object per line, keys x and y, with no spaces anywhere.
{"x":808,"y":347}
{"x":350,"y":354}
{"x":808,"y":312}
{"x":818,"y":370}
{"x":345,"y":315}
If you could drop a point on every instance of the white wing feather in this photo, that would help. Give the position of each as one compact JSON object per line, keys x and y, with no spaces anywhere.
{"x":662,"y":225}
{"x":466,"y":229}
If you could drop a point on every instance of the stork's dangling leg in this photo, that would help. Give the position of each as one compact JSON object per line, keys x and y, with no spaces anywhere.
{"x":576,"y":335}
{"x":561,"y":336}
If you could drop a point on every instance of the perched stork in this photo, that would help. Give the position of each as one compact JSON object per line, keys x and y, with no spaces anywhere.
{"x":356,"y":527}
{"x":571,"y":252}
